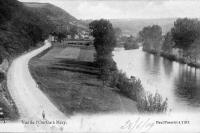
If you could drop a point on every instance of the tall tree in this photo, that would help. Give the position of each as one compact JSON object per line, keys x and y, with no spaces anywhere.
{"x":104,"y":43}
{"x":104,"y":35}
{"x":151,"y":36}
{"x":185,"y":32}
{"x":168,"y":43}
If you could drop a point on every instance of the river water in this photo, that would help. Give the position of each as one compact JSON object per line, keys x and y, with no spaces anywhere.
{"x":178,"y":82}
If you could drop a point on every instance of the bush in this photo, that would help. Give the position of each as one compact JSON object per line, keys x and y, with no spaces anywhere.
{"x":129,"y":87}
{"x":1,"y":59}
{"x":2,"y":76}
{"x":170,"y":57}
{"x":132,"y":88}
{"x":149,"y":103}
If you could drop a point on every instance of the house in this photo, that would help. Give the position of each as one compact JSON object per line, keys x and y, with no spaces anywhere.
{"x":52,"y":38}
{"x":76,"y":37}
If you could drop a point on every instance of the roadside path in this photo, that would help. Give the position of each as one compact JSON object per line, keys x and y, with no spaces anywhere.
{"x":29,"y":99}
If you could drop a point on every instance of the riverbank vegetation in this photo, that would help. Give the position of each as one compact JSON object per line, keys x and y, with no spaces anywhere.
{"x":151,"y":36}
{"x":180,"y":44}
{"x":104,"y":42}
{"x":149,"y":103}
{"x":131,"y":43}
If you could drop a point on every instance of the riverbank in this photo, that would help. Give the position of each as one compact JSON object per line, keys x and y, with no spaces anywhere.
{"x":70,"y":79}
{"x":172,"y":57}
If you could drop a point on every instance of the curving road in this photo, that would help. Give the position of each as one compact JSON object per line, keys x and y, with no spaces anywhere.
{"x":29,"y":99}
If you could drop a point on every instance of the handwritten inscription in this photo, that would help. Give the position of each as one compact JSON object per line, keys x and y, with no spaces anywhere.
{"x":138,"y":125}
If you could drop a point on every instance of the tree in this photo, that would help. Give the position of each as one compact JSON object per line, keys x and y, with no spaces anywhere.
{"x":6,"y":9}
{"x":168,"y":43}
{"x":73,"y":31}
{"x":104,"y":43}
{"x":151,"y":36}
{"x":131,"y":43}
{"x":185,"y":32}
{"x":104,"y":35}
{"x":194,"y":50}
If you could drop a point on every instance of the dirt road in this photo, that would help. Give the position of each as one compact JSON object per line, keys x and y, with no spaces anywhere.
{"x":29,"y":99}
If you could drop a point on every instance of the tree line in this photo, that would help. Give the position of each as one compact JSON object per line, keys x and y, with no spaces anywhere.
{"x":183,"y":36}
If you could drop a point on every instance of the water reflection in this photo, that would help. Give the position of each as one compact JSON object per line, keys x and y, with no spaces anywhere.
{"x":178,"y":82}
{"x":188,"y":86}
{"x":168,"y":67}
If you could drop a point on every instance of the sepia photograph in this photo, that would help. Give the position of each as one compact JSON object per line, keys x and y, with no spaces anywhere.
{"x":100,"y":66}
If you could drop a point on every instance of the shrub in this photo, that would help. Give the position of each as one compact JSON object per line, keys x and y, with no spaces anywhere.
{"x":132,"y":88}
{"x":2,"y":76}
{"x":129,"y":87}
{"x":149,"y":103}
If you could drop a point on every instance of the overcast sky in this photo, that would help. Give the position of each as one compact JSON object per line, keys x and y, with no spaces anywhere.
{"x":110,"y":9}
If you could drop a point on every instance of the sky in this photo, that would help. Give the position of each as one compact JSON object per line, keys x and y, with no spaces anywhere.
{"x":127,"y":9}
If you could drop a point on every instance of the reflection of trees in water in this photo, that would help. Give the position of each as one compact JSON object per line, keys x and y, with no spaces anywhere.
{"x":152,"y":63}
{"x":187,"y":86}
{"x":156,"y":63}
{"x":147,"y":59}
{"x":167,"y":65}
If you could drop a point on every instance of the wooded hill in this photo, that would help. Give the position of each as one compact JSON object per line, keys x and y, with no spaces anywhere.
{"x":22,"y":25}
{"x":59,"y":17}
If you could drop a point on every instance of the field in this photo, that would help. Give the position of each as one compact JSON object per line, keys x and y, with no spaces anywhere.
{"x":70,"y":79}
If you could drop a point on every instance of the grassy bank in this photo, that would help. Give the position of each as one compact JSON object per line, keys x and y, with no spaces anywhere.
{"x":72,"y":82}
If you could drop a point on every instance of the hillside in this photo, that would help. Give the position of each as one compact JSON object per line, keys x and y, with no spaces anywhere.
{"x":20,"y":30}
{"x":60,"y":18}
{"x":133,"y":26}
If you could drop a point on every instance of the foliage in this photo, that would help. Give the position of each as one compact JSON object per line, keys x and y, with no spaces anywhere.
{"x":185,"y":36}
{"x":104,"y":43}
{"x":194,"y":51}
{"x":168,"y":43}
{"x":151,"y":36}
{"x":149,"y":103}
{"x":131,"y":43}
{"x":129,"y":87}
{"x":2,"y":76}
{"x":6,"y":9}
{"x":73,"y":31}
{"x":185,"y":32}
{"x":21,"y":28}
{"x":104,"y":35}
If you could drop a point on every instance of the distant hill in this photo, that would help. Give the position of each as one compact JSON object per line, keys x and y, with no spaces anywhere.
{"x":133,"y":26}
{"x":61,"y":18}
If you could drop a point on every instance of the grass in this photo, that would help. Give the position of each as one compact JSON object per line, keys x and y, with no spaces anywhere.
{"x":73,"y":85}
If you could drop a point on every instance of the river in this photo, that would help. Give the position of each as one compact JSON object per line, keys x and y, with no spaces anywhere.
{"x":178,"y":82}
